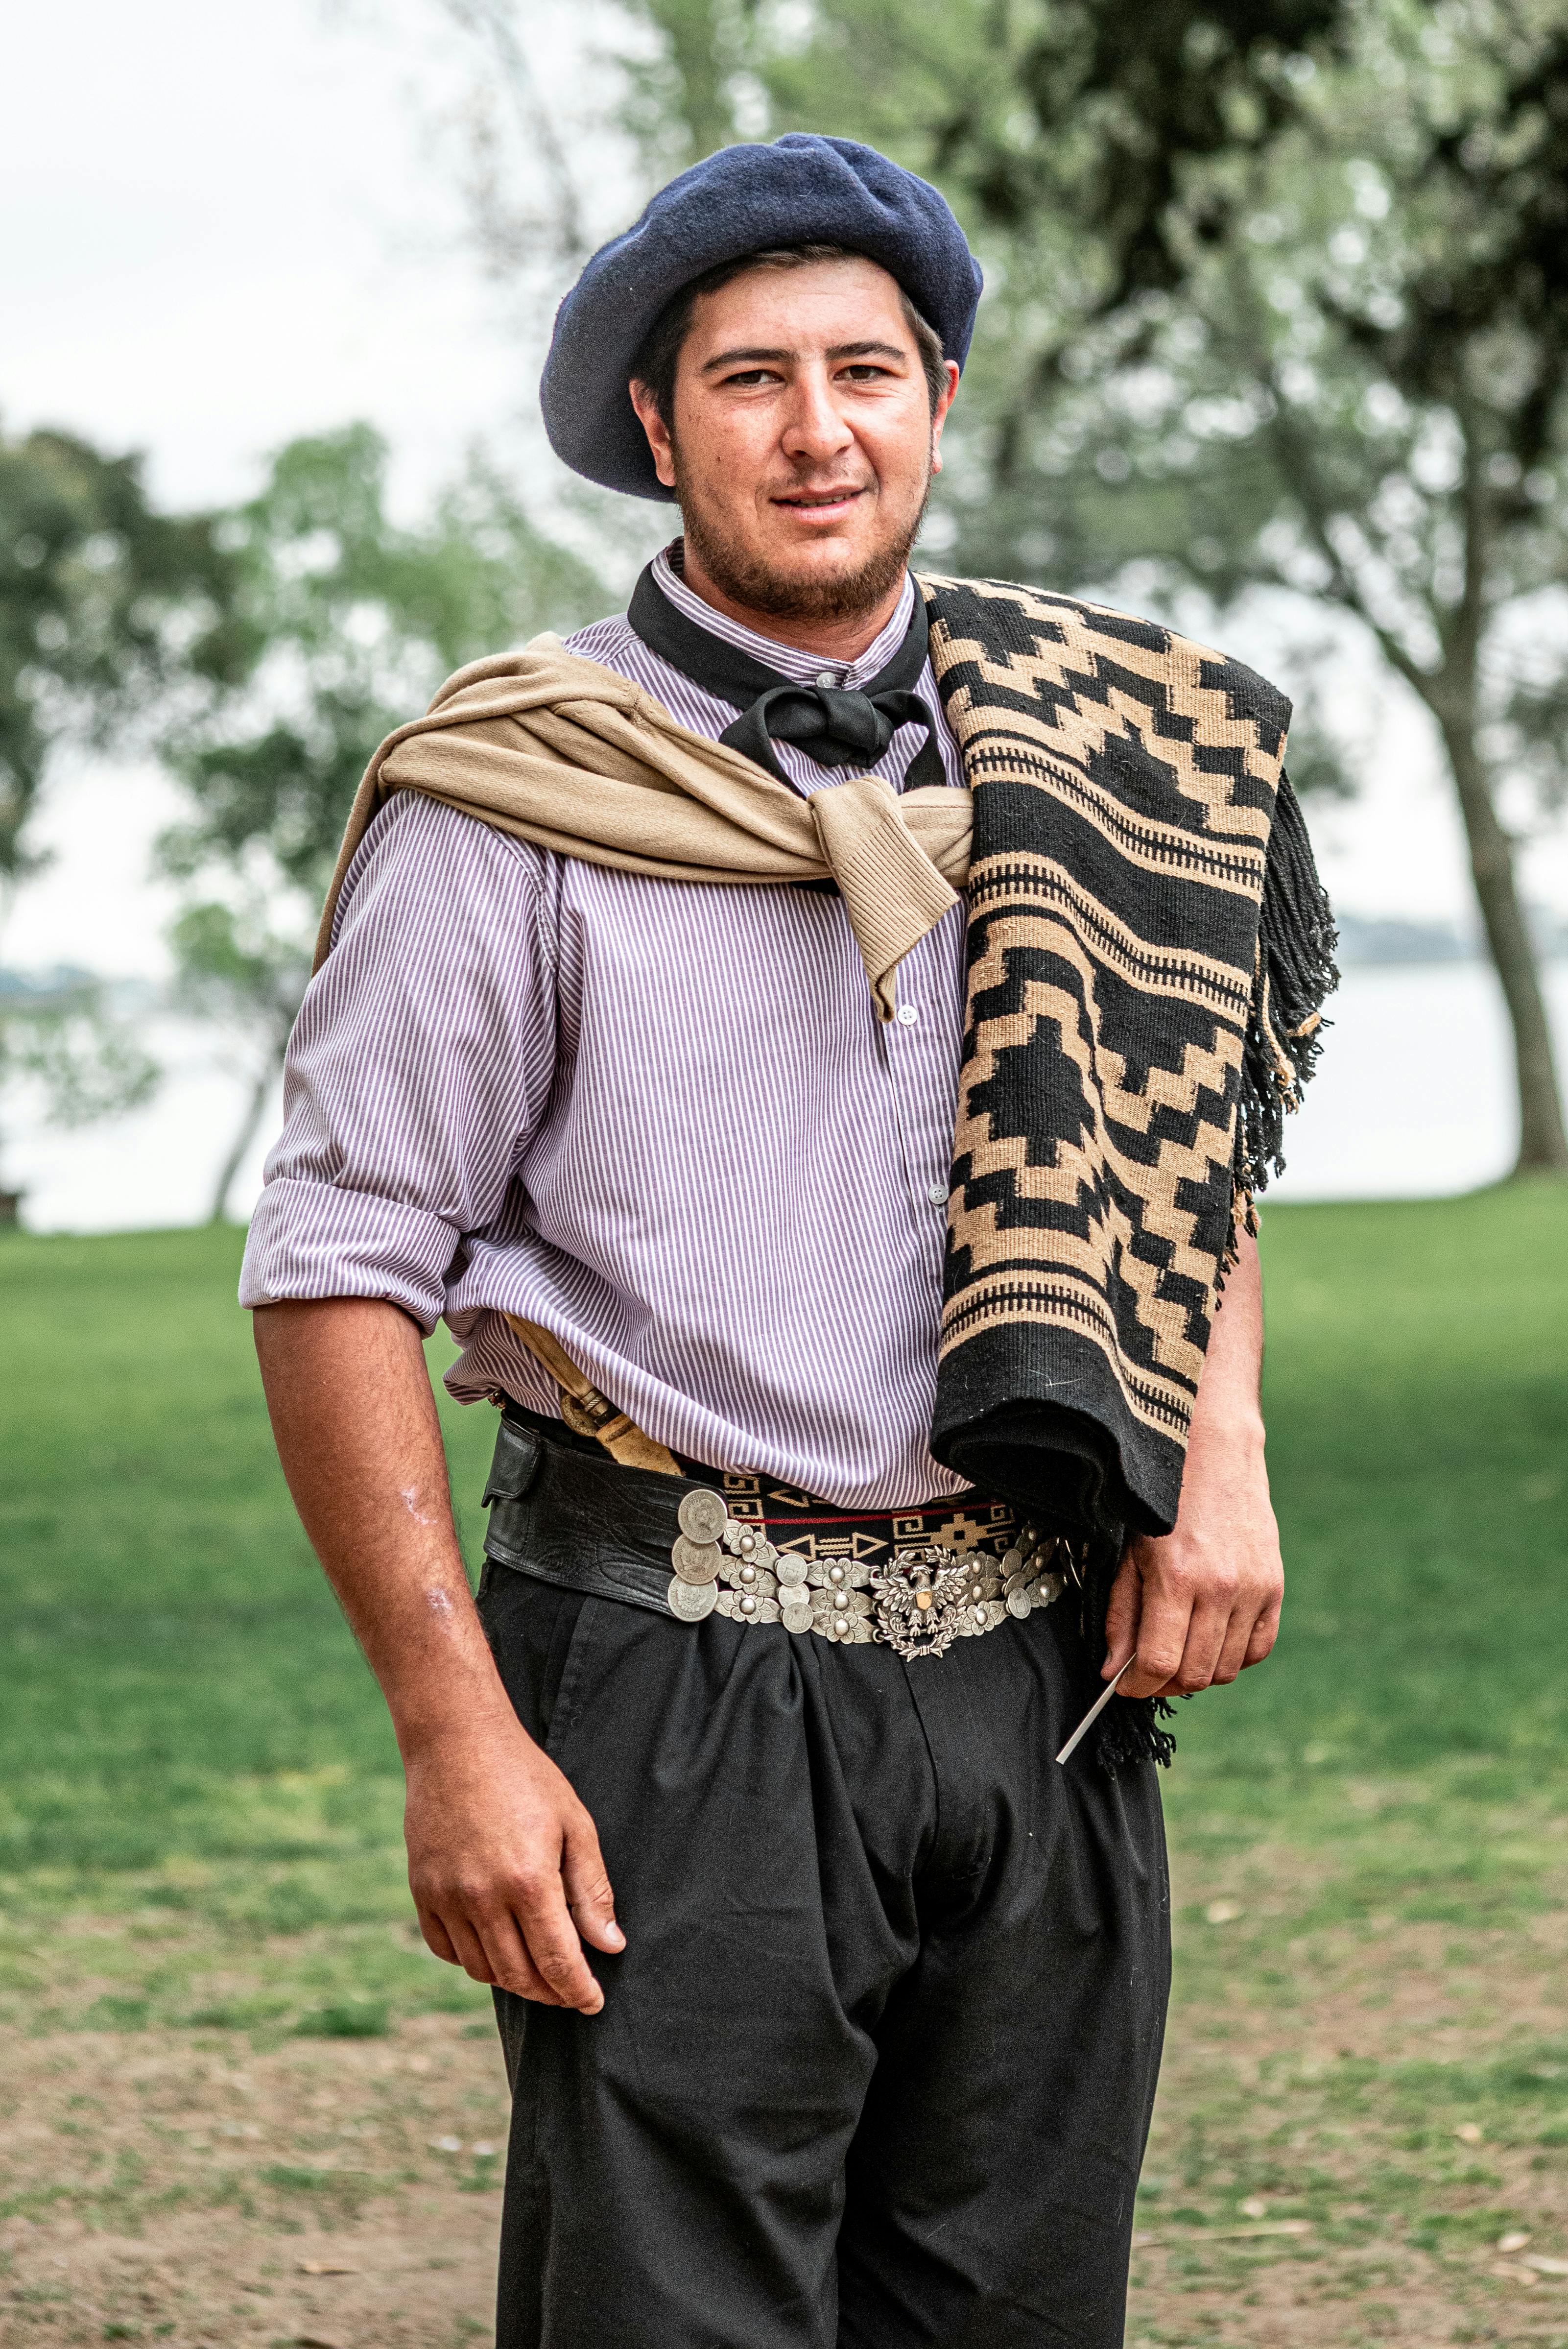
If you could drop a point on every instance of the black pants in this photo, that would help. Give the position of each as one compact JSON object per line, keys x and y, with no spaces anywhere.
{"x":876,"y":2068}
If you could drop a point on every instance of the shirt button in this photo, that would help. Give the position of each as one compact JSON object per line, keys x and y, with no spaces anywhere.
{"x":826,"y":676}
{"x":906,"y":1015}
{"x":937,"y":1193}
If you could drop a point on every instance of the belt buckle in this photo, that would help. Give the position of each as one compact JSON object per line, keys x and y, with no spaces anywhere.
{"x":923,"y":1595}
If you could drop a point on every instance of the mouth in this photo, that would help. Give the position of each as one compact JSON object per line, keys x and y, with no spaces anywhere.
{"x":829,"y":504}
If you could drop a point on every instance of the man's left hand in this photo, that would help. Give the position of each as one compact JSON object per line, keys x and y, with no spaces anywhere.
{"x":1203,"y":1602}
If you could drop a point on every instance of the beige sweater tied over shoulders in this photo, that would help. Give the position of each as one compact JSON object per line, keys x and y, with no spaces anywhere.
{"x":566,"y":754}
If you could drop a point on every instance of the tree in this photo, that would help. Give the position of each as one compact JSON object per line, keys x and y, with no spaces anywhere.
{"x":104,"y":604}
{"x":106,"y":608}
{"x":347,"y":622}
{"x":1278,"y":300}
{"x":1337,"y":368}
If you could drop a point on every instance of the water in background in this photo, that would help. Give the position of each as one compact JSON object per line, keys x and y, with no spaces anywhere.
{"x":1415,"y":1096}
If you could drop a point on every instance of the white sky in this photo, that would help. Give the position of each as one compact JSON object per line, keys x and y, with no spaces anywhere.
{"x":226,"y":225}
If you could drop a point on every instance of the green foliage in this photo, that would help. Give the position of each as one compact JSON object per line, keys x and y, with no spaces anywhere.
{"x":64,"y":1038}
{"x":231,"y":967}
{"x":683,"y":91}
{"x":106,"y":606}
{"x":349,"y":621}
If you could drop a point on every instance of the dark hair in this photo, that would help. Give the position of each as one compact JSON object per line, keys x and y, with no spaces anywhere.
{"x":658,"y":355}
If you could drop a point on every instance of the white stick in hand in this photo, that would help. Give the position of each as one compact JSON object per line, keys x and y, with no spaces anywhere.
{"x":1095,"y":1708}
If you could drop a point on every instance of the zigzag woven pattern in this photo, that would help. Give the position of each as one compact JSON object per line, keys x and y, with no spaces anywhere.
{"x":1125,"y":783}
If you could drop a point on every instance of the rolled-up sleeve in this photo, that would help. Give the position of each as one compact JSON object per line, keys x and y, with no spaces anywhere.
{"x":421,"y":1061}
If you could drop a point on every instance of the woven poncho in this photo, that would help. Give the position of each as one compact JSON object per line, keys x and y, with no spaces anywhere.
{"x":1149,"y":950}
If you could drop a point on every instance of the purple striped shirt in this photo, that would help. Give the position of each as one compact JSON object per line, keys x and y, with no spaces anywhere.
{"x":661,"y":1119}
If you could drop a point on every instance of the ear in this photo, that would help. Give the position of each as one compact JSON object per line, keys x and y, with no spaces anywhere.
{"x":657,"y":431}
{"x":938,"y":414}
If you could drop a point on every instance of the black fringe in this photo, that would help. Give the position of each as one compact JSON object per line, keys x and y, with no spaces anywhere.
{"x":1295,"y":975}
{"x":1127,"y":1732}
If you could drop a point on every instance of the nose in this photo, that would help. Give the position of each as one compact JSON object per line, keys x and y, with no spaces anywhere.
{"x":815,"y":431}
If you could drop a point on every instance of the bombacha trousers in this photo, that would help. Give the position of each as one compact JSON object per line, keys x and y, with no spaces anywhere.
{"x":876,"y":2064}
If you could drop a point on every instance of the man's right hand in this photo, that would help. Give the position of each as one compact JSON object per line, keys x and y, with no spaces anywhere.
{"x":505,"y":1866}
{"x":503,"y":1860}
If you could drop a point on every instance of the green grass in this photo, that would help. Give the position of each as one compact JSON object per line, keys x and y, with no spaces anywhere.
{"x":1416,"y":1392}
{"x":181,"y":1695}
{"x":189,"y":1733}
{"x":200,"y":1796}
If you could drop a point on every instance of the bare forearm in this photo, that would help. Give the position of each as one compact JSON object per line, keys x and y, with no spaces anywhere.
{"x":503,"y":1860}
{"x":1228,"y":1410}
{"x":360,"y":1445}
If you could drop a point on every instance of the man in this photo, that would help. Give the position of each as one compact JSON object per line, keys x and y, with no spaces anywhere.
{"x":831,"y":2002}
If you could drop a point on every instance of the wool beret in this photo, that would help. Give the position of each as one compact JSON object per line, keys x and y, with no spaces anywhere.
{"x":801,"y":189}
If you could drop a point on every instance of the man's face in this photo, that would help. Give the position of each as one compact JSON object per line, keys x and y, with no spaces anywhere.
{"x":803,"y":438}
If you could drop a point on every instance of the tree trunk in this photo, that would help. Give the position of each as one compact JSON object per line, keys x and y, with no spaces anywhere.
{"x":242,"y":1142}
{"x":1542,"y":1142}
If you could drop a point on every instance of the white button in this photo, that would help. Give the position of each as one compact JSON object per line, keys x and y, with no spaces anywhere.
{"x":906,"y":1015}
{"x":827,"y":676}
{"x":937,"y":1193}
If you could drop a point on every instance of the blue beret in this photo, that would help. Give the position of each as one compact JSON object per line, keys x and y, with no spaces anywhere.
{"x":800,"y":189}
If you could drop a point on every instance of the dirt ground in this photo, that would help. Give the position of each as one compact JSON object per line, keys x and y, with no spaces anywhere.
{"x":330,"y":2191}
{"x":1352,"y":2120}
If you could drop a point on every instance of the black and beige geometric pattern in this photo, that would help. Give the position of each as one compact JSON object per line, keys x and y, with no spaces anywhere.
{"x":1125,"y":783}
{"x":824,"y":1534}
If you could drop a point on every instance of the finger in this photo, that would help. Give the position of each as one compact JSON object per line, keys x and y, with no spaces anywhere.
{"x":553,"y":1944}
{"x":1161,"y":1640}
{"x":437,"y":1937}
{"x":1206,"y":1628}
{"x":1264,"y":1632}
{"x":506,"y":1954}
{"x":1234,"y":1648}
{"x":470,"y":1949}
{"x":588,"y":1894}
{"x":1122,"y":1618}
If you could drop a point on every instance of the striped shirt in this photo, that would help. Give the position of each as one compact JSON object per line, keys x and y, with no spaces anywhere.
{"x":661,"y":1119}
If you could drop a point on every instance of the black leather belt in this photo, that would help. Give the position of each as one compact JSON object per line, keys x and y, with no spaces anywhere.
{"x":576,"y":1517}
{"x":744,"y":1548}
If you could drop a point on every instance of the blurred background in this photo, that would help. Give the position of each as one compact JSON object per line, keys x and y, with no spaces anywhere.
{"x":1275,"y":310}
{"x":1273,"y":346}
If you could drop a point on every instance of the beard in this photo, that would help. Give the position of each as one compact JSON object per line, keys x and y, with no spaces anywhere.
{"x":747,"y":579}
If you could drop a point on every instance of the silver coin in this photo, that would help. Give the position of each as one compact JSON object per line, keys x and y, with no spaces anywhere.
{"x":798,"y":1619}
{"x":1019,"y":1603}
{"x":790,"y":1567}
{"x":695,"y":1562}
{"x":1012,"y":1560}
{"x":692,"y":1601}
{"x":702,"y":1514}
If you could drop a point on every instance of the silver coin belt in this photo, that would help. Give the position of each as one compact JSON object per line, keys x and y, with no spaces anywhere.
{"x":918,"y":1602}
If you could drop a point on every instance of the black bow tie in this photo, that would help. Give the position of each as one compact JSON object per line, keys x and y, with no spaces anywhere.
{"x":836,"y":728}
